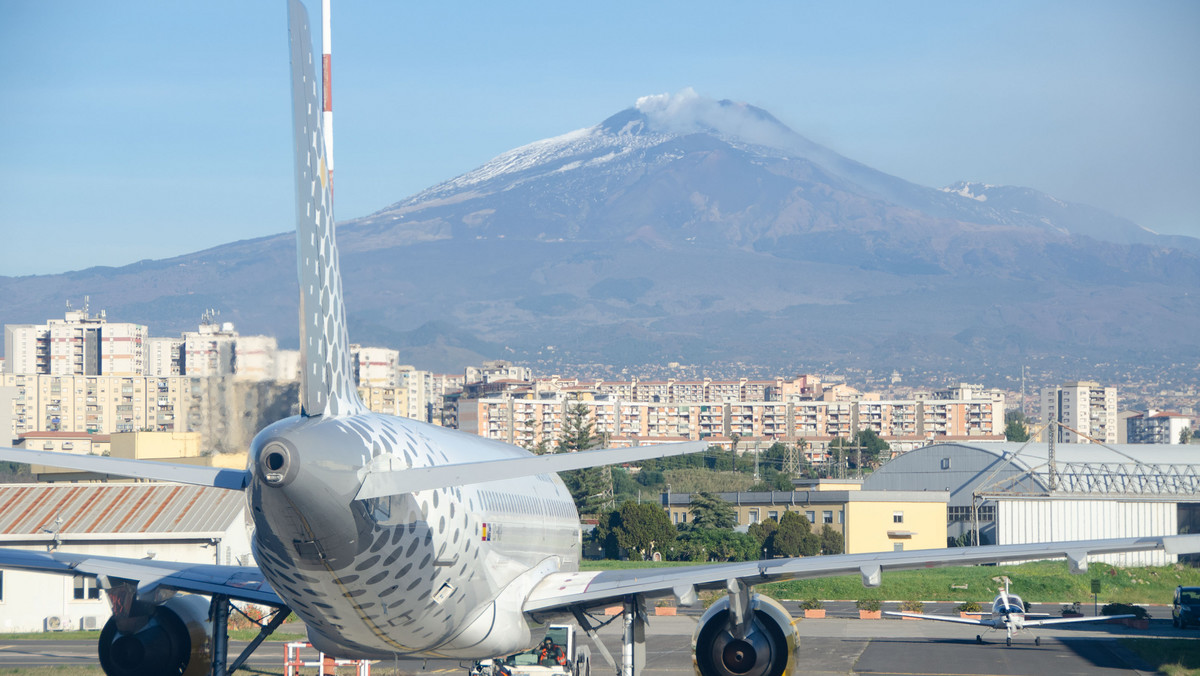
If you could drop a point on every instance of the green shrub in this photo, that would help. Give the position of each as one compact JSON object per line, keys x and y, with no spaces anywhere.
{"x":912,"y":606}
{"x":811,"y":604}
{"x":1138,"y":612}
{"x":868,"y":604}
{"x":969,"y":607}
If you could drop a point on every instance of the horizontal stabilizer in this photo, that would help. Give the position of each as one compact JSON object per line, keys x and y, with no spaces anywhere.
{"x":242,"y":583}
{"x":396,"y":482}
{"x":1072,"y":620}
{"x":217,"y":477}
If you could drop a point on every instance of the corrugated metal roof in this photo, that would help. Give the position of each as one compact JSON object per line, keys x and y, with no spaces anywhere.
{"x":116,"y":508}
{"x":1035,"y":453}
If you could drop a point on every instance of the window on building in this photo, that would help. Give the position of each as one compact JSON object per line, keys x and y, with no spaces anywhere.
{"x":86,"y":588}
{"x":897,"y":546}
{"x":753,"y":516}
{"x":827,"y":516}
{"x":841,"y":516}
{"x":897,"y":517}
{"x":812,"y":516}
{"x":773,"y":514}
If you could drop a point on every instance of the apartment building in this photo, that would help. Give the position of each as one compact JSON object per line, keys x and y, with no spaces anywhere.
{"x":93,"y":404}
{"x":78,"y":344}
{"x":1156,"y":427}
{"x":528,"y":414}
{"x":1086,"y":408}
{"x":375,"y":366}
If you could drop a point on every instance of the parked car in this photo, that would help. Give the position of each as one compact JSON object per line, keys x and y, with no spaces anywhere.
{"x":1186,"y":608}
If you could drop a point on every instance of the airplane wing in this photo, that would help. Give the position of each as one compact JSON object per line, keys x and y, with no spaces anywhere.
{"x":1068,"y":620}
{"x":231,"y":479}
{"x":943,"y":618}
{"x":562,"y":591}
{"x":242,"y":583}
{"x":393,"y":482}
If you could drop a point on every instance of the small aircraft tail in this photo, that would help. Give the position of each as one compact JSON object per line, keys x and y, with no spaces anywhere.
{"x":326,"y":381}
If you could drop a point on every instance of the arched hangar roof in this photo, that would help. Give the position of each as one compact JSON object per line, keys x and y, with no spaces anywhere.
{"x":1154,"y":471}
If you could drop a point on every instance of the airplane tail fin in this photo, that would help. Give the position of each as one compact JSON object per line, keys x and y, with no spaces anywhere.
{"x":326,"y":381}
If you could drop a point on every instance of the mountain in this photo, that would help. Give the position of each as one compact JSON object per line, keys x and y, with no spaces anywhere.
{"x":692,"y":230}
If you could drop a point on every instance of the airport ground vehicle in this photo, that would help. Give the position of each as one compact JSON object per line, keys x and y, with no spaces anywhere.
{"x":576,"y":659}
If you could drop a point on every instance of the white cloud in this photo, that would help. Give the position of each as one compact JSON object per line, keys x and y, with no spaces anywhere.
{"x":688,"y":112}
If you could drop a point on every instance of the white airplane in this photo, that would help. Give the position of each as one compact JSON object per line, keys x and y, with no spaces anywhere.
{"x":390,"y":537}
{"x":1008,"y":613}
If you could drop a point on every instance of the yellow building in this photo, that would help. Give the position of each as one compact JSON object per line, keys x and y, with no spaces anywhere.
{"x":869,"y":521}
{"x":175,"y":447}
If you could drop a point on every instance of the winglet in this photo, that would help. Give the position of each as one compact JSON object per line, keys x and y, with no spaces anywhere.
{"x":326,"y":381}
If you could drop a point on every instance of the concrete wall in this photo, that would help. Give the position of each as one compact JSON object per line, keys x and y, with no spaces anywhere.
{"x":872,"y":526}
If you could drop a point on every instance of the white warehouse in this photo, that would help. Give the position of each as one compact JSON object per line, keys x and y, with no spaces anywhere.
{"x":168,"y":522}
{"x":1012,"y":494}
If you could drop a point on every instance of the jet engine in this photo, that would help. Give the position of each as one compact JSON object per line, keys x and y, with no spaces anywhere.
{"x":764,"y":646}
{"x":175,"y":641}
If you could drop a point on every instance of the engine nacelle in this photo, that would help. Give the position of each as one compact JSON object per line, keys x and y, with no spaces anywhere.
{"x":767,"y":649}
{"x":175,"y":641}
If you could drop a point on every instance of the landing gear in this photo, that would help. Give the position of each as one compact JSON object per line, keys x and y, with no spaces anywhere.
{"x":978,"y":639}
{"x":219,"y":613}
{"x":1037,"y":640}
{"x":1008,"y":641}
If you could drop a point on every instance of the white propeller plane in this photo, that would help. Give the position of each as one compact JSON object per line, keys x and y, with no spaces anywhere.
{"x":390,"y":537}
{"x":1008,"y":613}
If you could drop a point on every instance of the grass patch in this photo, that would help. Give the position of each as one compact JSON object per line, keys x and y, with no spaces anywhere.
{"x":53,"y":636}
{"x":1172,"y":656}
{"x":607,"y":564}
{"x":1038,"y":582}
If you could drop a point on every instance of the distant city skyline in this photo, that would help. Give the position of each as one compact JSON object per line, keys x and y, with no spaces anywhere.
{"x":148,"y":130}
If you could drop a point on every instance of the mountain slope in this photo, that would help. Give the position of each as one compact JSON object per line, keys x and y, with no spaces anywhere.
{"x":685,"y":229}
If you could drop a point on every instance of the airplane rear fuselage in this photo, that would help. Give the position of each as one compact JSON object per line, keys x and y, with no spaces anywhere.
{"x":420,"y":573}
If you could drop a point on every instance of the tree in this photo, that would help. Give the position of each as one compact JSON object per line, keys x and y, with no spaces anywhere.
{"x":578,"y":432}
{"x":872,"y":447}
{"x":1185,"y":435}
{"x":710,"y":511}
{"x":713,"y":544}
{"x":832,"y":541}
{"x":591,"y":488}
{"x":643,"y":529}
{"x":1015,"y":430}
{"x":794,"y":537}
{"x":762,"y":532}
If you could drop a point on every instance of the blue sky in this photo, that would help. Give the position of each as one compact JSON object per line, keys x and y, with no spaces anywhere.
{"x":150,"y":129}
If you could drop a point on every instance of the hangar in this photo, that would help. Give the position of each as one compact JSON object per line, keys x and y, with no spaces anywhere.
{"x":169,"y":522}
{"x":1037,"y":492}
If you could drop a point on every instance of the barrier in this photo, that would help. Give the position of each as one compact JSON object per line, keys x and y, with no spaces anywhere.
{"x":292,"y":662}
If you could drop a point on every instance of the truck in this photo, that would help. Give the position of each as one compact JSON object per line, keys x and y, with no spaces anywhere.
{"x":576,"y":659}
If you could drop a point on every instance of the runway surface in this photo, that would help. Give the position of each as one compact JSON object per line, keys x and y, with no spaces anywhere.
{"x":834,"y":645}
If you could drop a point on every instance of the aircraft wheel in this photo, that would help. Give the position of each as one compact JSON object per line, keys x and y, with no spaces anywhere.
{"x":1008,"y":641}
{"x":1175,"y":622}
{"x":1037,"y":640}
{"x":978,"y":638}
